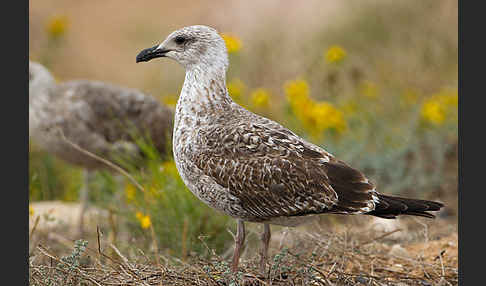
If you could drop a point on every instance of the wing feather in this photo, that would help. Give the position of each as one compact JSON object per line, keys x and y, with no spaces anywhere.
{"x":272,"y":173}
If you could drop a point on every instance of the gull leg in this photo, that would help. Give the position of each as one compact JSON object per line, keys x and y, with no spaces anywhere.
{"x":264,"y":251}
{"x":239,"y":240}
{"x":83,"y":199}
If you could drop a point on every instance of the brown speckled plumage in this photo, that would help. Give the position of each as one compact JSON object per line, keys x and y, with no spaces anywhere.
{"x":251,"y":167}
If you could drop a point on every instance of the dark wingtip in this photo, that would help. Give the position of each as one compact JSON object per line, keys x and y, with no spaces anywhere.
{"x":390,"y":206}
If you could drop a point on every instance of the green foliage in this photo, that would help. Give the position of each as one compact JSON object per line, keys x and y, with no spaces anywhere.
{"x":70,"y":262}
{"x":66,"y":269}
{"x":50,"y":178}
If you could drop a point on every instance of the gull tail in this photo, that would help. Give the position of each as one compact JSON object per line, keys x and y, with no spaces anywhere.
{"x":390,"y":207}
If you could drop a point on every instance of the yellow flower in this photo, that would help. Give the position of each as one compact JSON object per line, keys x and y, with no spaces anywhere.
{"x":57,"y":26}
{"x":433,"y":112}
{"x":144,"y":220}
{"x":233,"y":43}
{"x":335,"y":54}
{"x":440,"y":106}
{"x":130,"y":192}
{"x":326,"y":116}
{"x":31,"y":210}
{"x":260,"y":98}
{"x":297,"y":91}
{"x":170,"y":100}
{"x":369,"y":89}
{"x":236,"y":88}
{"x":316,"y":117}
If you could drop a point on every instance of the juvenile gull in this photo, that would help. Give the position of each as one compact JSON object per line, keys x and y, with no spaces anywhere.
{"x":250,"y":167}
{"x":99,"y":117}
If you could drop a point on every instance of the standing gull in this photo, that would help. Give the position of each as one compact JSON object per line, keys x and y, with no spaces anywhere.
{"x":98,"y":117}
{"x":250,"y":167}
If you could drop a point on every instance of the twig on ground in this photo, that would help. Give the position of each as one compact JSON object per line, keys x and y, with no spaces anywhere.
{"x":36,"y":222}
{"x":379,"y":237}
{"x":98,"y":236}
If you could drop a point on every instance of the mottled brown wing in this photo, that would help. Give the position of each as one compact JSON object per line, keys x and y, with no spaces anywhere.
{"x":272,"y":173}
{"x":356,"y":194}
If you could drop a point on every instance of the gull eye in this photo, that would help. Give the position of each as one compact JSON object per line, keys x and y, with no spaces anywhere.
{"x":179,"y":40}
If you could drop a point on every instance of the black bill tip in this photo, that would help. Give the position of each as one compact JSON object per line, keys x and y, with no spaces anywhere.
{"x":150,"y":53}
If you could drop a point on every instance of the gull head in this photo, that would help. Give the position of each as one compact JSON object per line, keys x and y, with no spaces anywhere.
{"x":193,"y":46}
{"x":40,"y":79}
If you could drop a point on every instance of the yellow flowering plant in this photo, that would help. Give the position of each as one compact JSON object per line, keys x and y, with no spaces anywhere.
{"x":440,"y":106}
{"x":297,"y":92}
{"x":57,"y":26}
{"x":316,"y":117}
{"x":260,"y":98}
{"x":327,"y":117}
{"x":233,"y":43}
{"x":144,"y":220}
{"x":335,"y":54}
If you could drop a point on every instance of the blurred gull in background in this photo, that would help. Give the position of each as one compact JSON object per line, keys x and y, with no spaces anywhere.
{"x":101,"y":118}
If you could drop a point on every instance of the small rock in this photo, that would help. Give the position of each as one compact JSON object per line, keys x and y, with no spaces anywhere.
{"x":54,"y":214}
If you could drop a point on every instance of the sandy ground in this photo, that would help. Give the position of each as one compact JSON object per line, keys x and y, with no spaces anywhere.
{"x":54,"y":215}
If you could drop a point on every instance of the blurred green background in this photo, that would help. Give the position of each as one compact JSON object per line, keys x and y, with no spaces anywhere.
{"x":375,"y":83}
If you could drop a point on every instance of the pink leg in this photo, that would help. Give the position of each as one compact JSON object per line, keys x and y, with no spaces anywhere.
{"x":239,"y":240}
{"x":264,"y":251}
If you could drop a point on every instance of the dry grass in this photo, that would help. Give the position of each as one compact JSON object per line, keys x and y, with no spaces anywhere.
{"x":418,"y":253}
